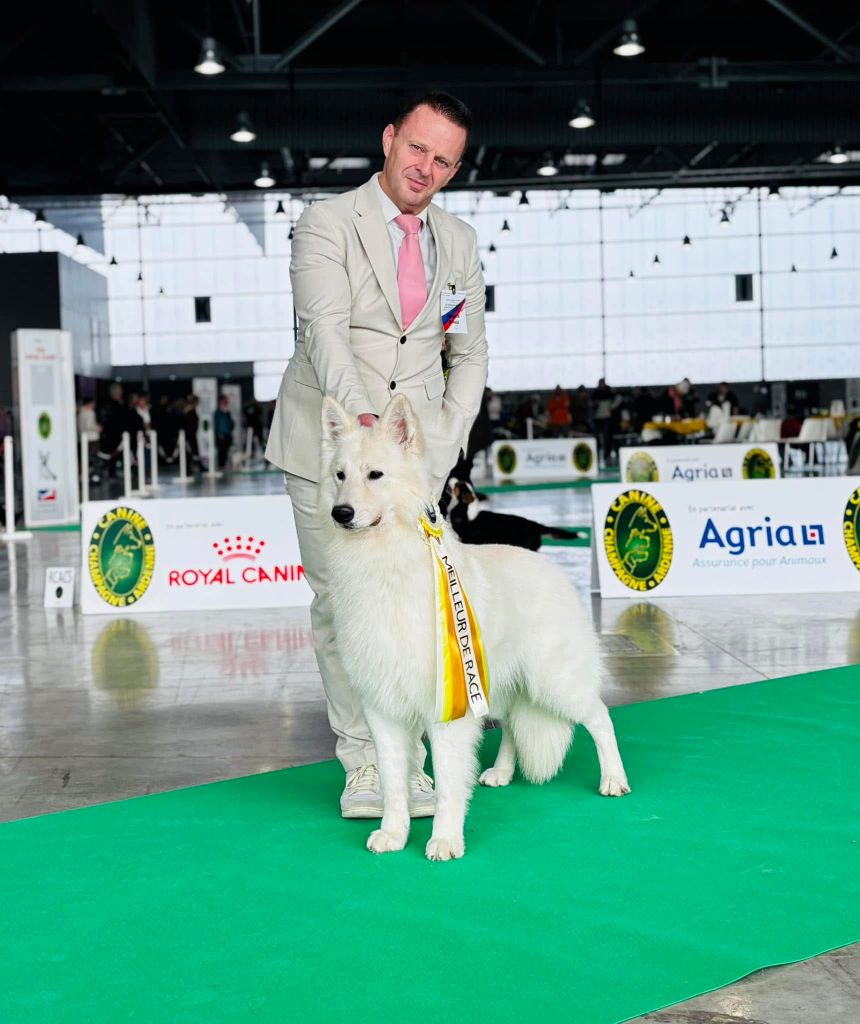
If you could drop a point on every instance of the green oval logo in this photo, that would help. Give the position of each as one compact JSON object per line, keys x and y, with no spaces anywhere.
{"x":44,"y":426}
{"x":506,"y":459}
{"x":637,"y":539}
{"x":641,"y":469}
{"x":121,"y":557}
{"x":758,"y":465}
{"x":583,"y":457}
{"x":850,"y":527}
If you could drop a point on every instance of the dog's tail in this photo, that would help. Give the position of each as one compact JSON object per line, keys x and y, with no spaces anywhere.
{"x":560,"y":533}
{"x":541,"y":739}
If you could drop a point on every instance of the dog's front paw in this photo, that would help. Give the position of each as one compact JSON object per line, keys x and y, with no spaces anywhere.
{"x":445,"y":848}
{"x":614,"y":785}
{"x":380,"y":841}
{"x":496,"y":777}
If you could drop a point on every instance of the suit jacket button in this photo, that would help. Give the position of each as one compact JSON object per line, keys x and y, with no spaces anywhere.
{"x":403,"y":340}
{"x":393,"y":385}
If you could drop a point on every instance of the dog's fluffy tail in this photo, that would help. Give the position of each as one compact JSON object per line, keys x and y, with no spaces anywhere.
{"x":541,"y":739}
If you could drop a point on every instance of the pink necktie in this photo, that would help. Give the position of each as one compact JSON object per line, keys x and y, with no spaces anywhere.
{"x":411,"y":281}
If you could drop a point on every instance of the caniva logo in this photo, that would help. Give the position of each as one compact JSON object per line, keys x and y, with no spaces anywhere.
{"x":736,"y":539}
{"x":758,"y":465}
{"x":121,"y":557}
{"x":583,"y":457}
{"x":239,"y":565}
{"x":637,"y":539}
{"x":506,"y":459}
{"x":641,"y":469}
{"x":850,"y":526}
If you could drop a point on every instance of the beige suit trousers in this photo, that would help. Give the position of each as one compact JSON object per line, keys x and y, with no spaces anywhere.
{"x":354,"y":743}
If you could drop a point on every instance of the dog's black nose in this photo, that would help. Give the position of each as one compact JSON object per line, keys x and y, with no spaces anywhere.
{"x":343,"y":514}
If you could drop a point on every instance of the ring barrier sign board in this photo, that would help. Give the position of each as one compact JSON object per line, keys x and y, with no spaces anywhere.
{"x":556,"y":458}
{"x":735,"y":537}
{"x":693,"y":463}
{"x":59,"y":586}
{"x":44,"y":387}
{"x":190,"y":553}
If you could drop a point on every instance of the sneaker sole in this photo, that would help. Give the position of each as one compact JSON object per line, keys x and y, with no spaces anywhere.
{"x":422,"y":810}
{"x":366,"y":811}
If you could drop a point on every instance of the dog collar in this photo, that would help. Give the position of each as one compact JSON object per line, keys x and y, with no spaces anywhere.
{"x":429,"y":521}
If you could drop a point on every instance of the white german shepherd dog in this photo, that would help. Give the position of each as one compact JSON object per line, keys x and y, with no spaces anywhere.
{"x":541,"y":651}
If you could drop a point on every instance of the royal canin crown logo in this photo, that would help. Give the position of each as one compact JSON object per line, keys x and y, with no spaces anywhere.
{"x":231,"y":549}
{"x":239,"y":547}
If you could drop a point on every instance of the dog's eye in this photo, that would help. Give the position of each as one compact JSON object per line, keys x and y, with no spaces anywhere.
{"x":374,"y":474}
{"x":340,"y":475}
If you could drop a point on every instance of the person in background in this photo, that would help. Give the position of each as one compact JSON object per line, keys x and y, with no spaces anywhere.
{"x":191,"y":424}
{"x":761,"y":399}
{"x":603,"y":406}
{"x":558,"y":412}
{"x":645,"y":407}
{"x":87,"y":421}
{"x":580,"y":411}
{"x":254,"y":419}
{"x":141,"y":407}
{"x":494,"y":412}
{"x":223,"y":426}
{"x":727,"y":399}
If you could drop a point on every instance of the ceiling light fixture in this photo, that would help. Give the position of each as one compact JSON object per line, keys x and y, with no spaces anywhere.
{"x":113,"y":262}
{"x":631,"y":274}
{"x":725,"y":220}
{"x":244,"y":129}
{"x":79,"y":242}
{"x":524,"y":199}
{"x":548,"y":168}
{"x":40,"y":217}
{"x":279,"y":209}
{"x":656,"y":258}
{"x":837,"y":156}
{"x":491,"y":248}
{"x":629,"y":45}
{"x":209,"y":63}
{"x":834,"y":254}
{"x":793,"y":268}
{"x":773,"y":192}
{"x":686,"y":243}
{"x":264,"y":179}
{"x":505,"y":226}
{"x":582,"y":116}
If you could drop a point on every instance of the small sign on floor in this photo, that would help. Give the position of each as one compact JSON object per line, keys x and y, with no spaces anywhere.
{"x":59,"y":587}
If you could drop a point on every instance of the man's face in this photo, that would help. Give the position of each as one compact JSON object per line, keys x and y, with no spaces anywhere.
{"x":421,"y":157}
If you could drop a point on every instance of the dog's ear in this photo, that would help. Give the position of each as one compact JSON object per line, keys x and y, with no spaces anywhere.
{"x":336,"y":421}
{"x":400,"y":423}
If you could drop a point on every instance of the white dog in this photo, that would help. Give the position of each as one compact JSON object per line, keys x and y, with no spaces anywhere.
{"x":541,"y":651}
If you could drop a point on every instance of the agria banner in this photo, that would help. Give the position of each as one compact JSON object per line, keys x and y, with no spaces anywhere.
{"x":736,"y":537}
{"x":552,"y":458}
{"x":190,"y":553}
{"x":693,"y":463}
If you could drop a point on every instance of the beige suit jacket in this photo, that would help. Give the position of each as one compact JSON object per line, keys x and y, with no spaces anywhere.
{"x":351,"y":344}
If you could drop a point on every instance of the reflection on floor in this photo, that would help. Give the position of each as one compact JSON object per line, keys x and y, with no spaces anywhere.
{"x":101,"y":708}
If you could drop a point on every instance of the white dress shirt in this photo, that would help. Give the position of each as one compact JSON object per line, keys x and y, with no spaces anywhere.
{"x":425,"y":235}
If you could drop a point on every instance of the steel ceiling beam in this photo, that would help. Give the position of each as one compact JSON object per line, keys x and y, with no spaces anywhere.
{"x":503,"y":33}
{"x":825,"y":40}
{"x":321,"y":27}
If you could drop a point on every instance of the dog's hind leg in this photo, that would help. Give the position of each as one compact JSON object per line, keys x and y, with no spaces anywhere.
{"x":613,"y":778}
{"x":454,"y":745}
{"x":393,"y":751}
{"x":506,"y":760}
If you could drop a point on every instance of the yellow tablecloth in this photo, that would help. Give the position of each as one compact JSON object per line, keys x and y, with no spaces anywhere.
{"x":679,"y":426}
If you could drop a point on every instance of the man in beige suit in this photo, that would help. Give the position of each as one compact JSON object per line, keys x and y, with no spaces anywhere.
{"x":373,"y":271}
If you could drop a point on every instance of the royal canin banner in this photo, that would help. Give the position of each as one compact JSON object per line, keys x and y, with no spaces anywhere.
{"x":190,"y":553}
{"x":738,"y":537}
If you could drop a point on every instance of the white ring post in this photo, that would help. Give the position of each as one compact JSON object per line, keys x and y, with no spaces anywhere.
{"x":153,"y":464}
{"x":141,"y":464}
{"x":9,"y":474}
{"x":183,"y":477}
{"x":85,"y":467}
{"x":126,"y":466}
{"x":249,"y":446}
{"x":212,"y":472}
{"x":530,"y":428}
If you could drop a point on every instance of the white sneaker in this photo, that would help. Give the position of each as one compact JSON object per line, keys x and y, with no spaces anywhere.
{"x":361,"y":797}
{"x":422,"y":797}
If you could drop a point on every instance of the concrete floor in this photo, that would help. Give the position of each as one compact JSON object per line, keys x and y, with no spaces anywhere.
{"x":96,"y":709}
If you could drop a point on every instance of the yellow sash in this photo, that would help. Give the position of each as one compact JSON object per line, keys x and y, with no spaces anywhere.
{"x":461,"y":667}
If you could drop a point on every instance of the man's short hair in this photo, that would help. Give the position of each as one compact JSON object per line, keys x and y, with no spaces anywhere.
{"x":443,"y":103}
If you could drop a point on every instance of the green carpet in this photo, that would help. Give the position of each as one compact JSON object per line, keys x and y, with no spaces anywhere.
{"x":548,"y":485}
{"x":251,"y":900}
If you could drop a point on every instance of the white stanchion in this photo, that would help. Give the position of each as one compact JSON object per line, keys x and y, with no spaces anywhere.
{"x":212,"y":471}
{"x":249,"y":445}
{"x":141,"y":464}
{"x":11,"y":533}
{"x":126,"y":466}
{"x":153,"y":455}
{"x":183,"y":477}
{"x":530,"y":429}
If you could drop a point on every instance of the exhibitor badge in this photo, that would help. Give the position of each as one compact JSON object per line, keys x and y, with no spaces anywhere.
{"x":850,"y":526}
{"x":637,"y":539}
{"x":121,"y":557}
